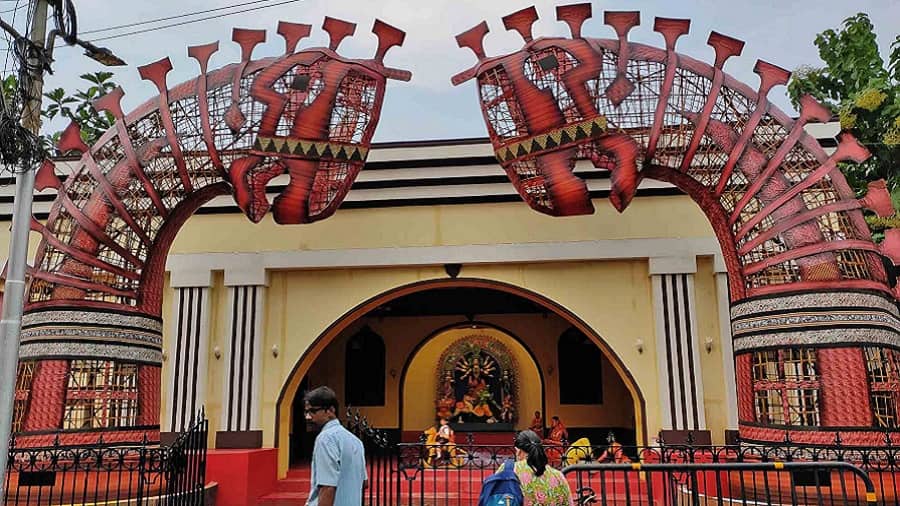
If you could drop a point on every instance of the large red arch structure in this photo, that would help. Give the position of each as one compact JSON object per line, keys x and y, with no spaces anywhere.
{"x":804,"y":273}
{"x":808,"y":289}
{"x":96,"y":289}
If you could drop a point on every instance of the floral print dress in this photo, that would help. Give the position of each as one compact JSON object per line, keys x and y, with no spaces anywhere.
{"x":549,"y":489}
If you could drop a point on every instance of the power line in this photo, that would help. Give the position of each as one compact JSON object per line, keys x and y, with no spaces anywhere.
{"x":9,"y":39}
{"x":167,"y":18}
{"x":12,"y":10}
{"x":136,"y":32}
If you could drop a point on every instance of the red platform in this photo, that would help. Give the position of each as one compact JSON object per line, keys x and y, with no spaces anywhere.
{"x":243,"y":476}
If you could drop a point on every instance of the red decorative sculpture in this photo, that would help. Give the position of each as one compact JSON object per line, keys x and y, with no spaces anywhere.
{"x":803,"y":270}
{"x":642,"y":112}
{"x":96,"y":286}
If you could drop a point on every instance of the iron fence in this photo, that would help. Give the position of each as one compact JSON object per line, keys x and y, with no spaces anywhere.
{"x":731,"y":483}
{"x":611,"y":474}
{"x":142,"y":474}
{"x":381,"y":461}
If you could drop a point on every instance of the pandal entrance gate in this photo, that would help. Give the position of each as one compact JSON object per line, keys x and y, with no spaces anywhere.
{"x":808,"y":289}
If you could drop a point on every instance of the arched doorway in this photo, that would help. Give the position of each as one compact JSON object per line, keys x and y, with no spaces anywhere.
{"x":410,"y":317}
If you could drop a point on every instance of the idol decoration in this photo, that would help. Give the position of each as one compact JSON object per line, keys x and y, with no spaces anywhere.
{"x":476,"y":383}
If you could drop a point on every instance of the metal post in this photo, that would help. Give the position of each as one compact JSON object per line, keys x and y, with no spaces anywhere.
{"x":14,"y":292}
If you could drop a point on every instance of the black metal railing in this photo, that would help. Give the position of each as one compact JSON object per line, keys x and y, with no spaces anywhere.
{"x":730,"y":483}
{"x":102,"y":473}
{"x":381,"y":461}
{"x":451,"y":475}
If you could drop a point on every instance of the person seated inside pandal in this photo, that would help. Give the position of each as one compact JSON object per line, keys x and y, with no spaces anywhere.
{"x":440,"y":442}
{"x":556,"y":439}
{"x":582,"y":451}
{"x":537,"y":424}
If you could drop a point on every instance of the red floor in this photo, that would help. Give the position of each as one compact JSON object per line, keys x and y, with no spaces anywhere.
{"x":294,"y":489}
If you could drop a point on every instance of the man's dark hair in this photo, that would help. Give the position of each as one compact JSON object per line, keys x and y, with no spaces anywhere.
{"x":555,"y":418}
{"x":322,"y":397}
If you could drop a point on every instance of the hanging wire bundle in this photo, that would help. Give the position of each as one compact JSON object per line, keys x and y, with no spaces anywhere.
{"x":21,"y":149}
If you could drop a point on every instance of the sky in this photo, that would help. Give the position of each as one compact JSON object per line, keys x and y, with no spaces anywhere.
{"x":429,"y":107}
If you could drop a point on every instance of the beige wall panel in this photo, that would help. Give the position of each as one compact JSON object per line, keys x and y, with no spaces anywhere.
{"x":710,"y":362}
{"x":443,"y":225}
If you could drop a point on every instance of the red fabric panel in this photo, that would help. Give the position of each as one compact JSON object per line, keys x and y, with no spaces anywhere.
{"x":744,"y":377}
{"x":148,"y":394}
{"x":845,"y":388}
{"x":48,"y":395}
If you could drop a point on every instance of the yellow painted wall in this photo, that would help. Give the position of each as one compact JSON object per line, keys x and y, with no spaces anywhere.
{"x":444,"y":225}
{"x":707,"y":308}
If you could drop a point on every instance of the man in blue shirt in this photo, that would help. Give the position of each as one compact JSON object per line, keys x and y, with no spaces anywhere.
{"x":338,"y":461}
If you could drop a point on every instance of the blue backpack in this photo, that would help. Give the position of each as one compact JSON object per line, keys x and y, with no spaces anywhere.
{"x":503,"y":488}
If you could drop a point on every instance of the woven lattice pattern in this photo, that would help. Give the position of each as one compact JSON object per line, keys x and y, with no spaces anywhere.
{"x":24,"y":377}
{"x":883,"y":367}
{"x":786,"y":387}
{"x":100,"y":394}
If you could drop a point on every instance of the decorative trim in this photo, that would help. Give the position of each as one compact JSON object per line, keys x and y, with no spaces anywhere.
{"x":560,"y":138}
{"x":815,"y":319}
{"x":61,"y":317}
{"x":823,"y":299}
{"x":88,"y":334}
{"x":77,"y":349}
{"x":310,"y":149}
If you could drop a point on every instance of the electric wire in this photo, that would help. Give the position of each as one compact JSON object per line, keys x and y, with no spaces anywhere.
{"x":182,"y":23}
{"x":168,"y":18}
{"x":14,"y":9}
{"x":9,"y":40}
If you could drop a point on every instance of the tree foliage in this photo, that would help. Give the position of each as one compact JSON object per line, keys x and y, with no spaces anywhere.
{"x":78,"y":107}
{"x":864,"y":91}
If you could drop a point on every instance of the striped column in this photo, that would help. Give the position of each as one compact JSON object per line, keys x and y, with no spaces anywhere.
{"x":243,"y":355}
{"x":188,"y":356}
{"x":678,"y":354}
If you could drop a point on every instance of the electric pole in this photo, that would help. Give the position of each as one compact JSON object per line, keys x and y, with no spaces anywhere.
{"x":14,"y":292}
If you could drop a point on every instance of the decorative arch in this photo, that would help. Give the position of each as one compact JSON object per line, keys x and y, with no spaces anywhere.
{"x":803,"y":270}
{"x":303,"y":364}
{"x":96,"y":286}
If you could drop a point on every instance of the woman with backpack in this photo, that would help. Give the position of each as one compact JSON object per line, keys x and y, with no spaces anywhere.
{"x":541,"y":484}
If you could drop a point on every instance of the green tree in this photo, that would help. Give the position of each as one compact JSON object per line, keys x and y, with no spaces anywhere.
{"x":864,"y":92}
{"x":78,"y":107}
